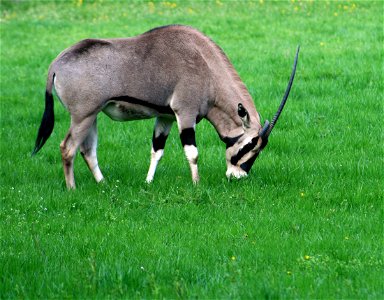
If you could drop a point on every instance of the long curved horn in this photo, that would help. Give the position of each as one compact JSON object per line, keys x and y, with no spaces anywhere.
{"x":265,"y":129}
{"x":277,"y":115}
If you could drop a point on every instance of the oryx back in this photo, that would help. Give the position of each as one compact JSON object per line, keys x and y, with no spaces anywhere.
{"x":142,"y":72}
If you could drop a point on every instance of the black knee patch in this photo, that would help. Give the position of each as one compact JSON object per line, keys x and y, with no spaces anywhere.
{"x":187,"y":137}
{"x":158,"y":142}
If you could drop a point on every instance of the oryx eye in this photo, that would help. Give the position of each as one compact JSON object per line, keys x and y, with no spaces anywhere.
{"x":241,"y":111}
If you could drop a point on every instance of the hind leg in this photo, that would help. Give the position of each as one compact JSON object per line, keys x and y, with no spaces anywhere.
{"x":160,"y":134}
{"x":76,"y":135}
{"x":88,"y":151}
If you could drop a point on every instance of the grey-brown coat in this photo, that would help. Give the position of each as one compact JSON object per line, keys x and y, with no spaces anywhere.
{"x":171,"y":73}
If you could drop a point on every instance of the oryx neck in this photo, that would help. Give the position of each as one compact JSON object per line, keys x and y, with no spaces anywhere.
{"x":224,"y":114}
{"x":227,"y":123}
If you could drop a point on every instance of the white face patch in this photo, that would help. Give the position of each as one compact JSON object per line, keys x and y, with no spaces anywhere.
{"x":241,"y":156}
{"x":246,"y":141}
{"x":242,"y":151}
{"x":235,"y":171}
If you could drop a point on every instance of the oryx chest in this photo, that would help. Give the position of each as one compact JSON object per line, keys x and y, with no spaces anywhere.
{"x":124,"y":111}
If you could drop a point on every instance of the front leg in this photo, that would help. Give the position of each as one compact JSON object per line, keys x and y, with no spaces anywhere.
{"x":186,"y":110}
{"x":188,"y":141}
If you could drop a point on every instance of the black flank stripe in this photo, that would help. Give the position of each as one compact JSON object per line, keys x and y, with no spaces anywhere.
{"x":248,"y":147}
{"x":161,"y":109}
{"x":187,"y":137}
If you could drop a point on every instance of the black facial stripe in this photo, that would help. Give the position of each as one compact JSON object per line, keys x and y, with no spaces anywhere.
{"x":230,"y":141}
{"x":161,"y":109}
{"x":246,"y":166}
{"x":248,"y":147}
{"x":187,"y":137}
{"x":158,"y":142}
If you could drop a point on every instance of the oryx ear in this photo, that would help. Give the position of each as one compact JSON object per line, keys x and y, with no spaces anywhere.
{"x":243,"y":114}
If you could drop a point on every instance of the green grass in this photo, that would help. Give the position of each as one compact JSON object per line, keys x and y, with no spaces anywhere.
{"x":306,"y":223}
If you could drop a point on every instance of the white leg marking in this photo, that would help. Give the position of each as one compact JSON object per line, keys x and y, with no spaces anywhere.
{"x":155,"y":158}
{"x":89,"y":150}
{"x":94,"y":167}
{"x":93,"y":163}
{"x":192,"y":154}
{"x":162,"y":127}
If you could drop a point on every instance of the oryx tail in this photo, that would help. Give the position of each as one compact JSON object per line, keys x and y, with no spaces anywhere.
{"x":48,"y":120}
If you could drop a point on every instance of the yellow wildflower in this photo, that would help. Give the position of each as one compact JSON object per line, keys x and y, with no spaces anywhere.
{"x":169,"y":4}
{"x":151,"y":7}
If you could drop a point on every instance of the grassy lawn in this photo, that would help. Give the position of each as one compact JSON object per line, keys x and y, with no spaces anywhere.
{"x":306,"y":223}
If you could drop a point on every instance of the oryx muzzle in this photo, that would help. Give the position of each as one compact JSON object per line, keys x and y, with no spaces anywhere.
{"x":172,"y":73}
{"x":240,"y":162}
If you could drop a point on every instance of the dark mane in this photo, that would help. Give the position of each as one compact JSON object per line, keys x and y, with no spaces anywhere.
{"x":231,"y":69}
{"x":86,"y":45}
{"x":167,"y":26}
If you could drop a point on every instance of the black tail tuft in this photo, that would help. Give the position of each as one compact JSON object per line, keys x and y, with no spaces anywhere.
{"x":47,"y":123}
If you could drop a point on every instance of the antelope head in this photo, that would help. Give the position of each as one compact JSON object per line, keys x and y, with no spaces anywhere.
{"x":244,"y":149}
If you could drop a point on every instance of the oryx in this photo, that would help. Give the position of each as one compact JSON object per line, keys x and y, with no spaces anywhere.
{"x":171,"y":73}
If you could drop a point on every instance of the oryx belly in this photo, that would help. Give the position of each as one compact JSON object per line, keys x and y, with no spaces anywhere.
{"x":124,"y":111}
